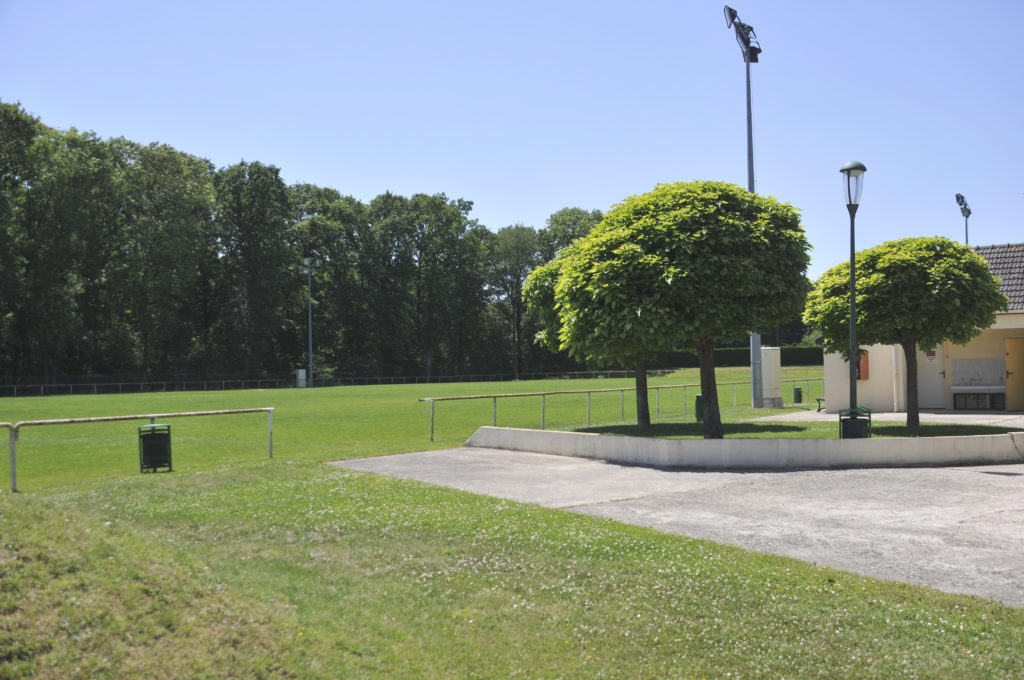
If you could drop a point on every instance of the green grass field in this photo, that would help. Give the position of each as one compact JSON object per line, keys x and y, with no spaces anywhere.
{"x":239,"y":566}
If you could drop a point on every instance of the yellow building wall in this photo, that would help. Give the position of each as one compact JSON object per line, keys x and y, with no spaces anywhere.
{"x":988,"y":345}
{"x":885,"y":388}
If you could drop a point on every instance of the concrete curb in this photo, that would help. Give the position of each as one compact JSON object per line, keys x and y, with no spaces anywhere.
{"x":760,"y":454}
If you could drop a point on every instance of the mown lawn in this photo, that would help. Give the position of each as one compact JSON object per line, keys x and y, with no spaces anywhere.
{"x":239,"y":566}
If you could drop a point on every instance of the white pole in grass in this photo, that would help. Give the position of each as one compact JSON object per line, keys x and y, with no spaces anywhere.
{"x":14,"y":474}
{"x":270,"y":433}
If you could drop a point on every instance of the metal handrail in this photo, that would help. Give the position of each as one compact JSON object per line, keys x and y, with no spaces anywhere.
{"x":15,"y":427}
{"x":621,"y":390}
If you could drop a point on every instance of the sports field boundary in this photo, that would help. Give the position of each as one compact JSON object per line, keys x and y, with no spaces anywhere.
{"x":14,"y":428}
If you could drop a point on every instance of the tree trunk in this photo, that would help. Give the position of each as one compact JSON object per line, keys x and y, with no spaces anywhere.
{"x":643,"y":407}
{"x":709,"y":389}
{"x":913,"y":410}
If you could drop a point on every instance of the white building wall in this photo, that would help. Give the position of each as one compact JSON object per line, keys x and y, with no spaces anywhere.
{"x":884,"y":390}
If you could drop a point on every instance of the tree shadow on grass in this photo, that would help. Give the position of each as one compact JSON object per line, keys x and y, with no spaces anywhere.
{"x":940,"y":430}
{"x":669,"y":430}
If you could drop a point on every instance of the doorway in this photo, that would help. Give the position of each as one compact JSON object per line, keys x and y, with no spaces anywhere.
{"x":931,"y":379}
{"x":1014,"y":348}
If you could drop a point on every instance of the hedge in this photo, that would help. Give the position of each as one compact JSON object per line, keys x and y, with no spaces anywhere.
{"x":739,"y":356}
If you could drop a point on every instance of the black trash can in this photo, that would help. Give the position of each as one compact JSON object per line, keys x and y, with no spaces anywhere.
{"x":154,"y":448}
{"x":798,"y":394}
{"x":855,"y":423}
{"x":698,"y":408}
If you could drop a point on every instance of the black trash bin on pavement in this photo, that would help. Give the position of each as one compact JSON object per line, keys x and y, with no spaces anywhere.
{"x":855,"y":423}
{"x":798,"y":394}
{"x":154,"y":448}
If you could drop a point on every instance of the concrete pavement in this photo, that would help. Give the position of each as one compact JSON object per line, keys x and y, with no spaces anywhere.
{"x":956,"y":529}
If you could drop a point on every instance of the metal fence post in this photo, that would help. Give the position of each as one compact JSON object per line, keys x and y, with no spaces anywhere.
{"x":543,"y":406}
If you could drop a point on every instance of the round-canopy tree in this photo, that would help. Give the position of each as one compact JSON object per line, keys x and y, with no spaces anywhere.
{"x":684,"y":265}
{"x":914,"y":292}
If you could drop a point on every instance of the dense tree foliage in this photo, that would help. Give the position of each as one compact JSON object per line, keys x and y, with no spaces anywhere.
{"x":512,"y":254}
{"x":684,"y":265}
{"x":915,"y":293}
{"x":117,"y":257}
{"x":564,"y":227}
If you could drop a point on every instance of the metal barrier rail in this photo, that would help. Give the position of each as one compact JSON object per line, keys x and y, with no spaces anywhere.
{"x":13,"y":428}
{"x":621,"y":390}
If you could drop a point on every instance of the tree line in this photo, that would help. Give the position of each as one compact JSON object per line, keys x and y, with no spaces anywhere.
{"x":118,"y":257}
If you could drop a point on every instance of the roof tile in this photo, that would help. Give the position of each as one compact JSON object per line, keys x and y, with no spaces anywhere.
{"x":1007,"y":264}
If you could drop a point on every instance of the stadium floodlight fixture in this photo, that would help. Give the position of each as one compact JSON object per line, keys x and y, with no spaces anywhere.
{"x":965,"y":210}
{"x":745,"y":35}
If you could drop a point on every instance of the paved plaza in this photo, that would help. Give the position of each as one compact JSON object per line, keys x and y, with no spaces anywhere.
{"x":956,"y":529}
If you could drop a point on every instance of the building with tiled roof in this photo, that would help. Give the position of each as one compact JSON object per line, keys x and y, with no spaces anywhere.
{"x":985,"y":374}
{"x":1007,"y":265}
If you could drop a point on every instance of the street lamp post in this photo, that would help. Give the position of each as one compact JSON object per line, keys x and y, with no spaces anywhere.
{"x":965,"y":210}
{"x":307,"y":264}
{"x":853,"y":184}
{"x":751,"y":48}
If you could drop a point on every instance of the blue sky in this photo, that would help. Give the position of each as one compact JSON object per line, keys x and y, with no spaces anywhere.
{"x":528,"y":107}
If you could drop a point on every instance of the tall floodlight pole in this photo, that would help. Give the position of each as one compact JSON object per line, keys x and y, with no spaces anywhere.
{"x":853,"y":184}
{"x":965,"y":210}
{"x":750,"y":47}
{"x":308,"y":269}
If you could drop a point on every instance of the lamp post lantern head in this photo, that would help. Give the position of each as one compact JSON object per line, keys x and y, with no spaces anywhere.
{"x":853,"y":182}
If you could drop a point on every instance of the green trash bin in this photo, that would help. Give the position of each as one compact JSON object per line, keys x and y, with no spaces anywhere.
{"x":798,"y":394}
{"x":154,"y":448}
{"x":698,"y":408}
{"x":855,"y":423}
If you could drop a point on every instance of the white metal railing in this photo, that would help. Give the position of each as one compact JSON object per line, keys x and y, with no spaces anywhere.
{"x":621,"y":390}
{"x":13,"y":428}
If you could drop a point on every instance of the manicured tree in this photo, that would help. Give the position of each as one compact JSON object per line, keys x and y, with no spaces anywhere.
{"x":914,"y":292}
{"x":684,"y":265}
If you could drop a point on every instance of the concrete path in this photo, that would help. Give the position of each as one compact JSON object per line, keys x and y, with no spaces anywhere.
{"x":956,"y":529}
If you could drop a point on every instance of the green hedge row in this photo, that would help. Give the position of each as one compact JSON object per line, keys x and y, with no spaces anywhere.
{"x":739,"y":356}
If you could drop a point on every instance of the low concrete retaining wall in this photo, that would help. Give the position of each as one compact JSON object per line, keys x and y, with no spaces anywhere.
{"x":761,"y":454}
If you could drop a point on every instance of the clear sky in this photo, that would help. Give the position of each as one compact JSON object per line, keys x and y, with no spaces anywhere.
{"x":528,"y":107}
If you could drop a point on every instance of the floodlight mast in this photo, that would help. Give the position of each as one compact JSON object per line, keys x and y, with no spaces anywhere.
{"x":965,"y":210}
{"x":750,"y":47}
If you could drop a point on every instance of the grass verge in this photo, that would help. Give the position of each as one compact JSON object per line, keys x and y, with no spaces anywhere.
{"x":289,"y":569}
{"x":239,"y":566}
